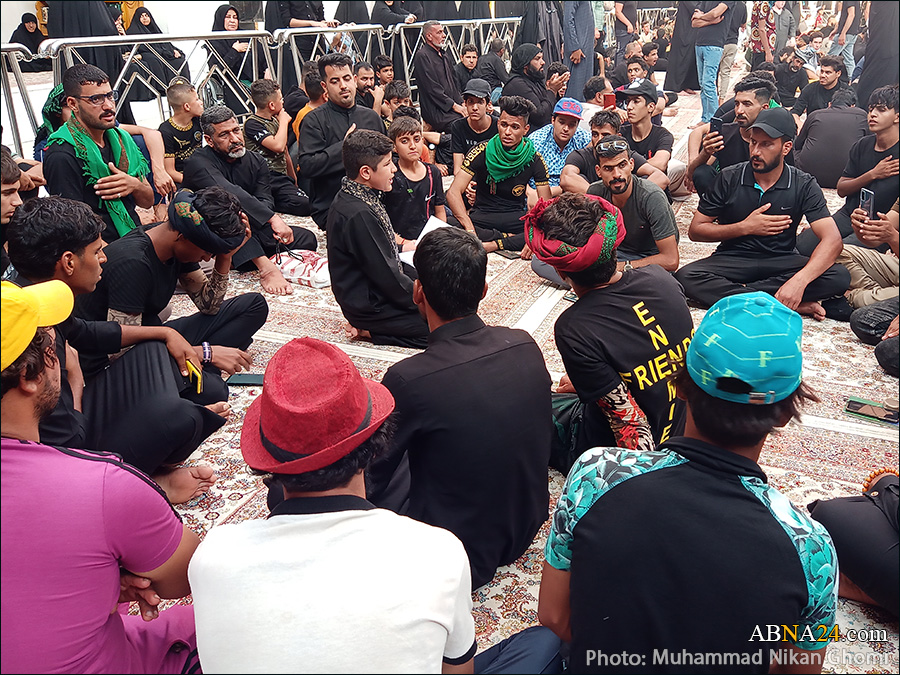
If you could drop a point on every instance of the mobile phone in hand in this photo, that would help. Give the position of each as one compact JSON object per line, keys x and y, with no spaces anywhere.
{"x":715,"y":125}
{"x":609,"y":100}
{"x":867,"y":202}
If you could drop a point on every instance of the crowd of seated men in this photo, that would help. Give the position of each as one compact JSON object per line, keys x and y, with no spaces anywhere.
{"x":377,"y":490}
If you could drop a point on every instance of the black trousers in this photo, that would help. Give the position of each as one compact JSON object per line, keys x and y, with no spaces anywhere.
{"x":870,"y":323}
{"x":288,"y":198}
{"x":722,"y":274}
{"x":262,"y":244}
{"x":704,"y":177}
{"x":490,"y":226}
{"x":400,"y":329}
{"x":865,"y":534}
{"x":137,"y":408}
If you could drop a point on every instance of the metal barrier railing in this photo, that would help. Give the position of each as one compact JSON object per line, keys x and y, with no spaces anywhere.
{"x":12,"y":53}
{"x":65,"y":53}
{"x":328,"y":40}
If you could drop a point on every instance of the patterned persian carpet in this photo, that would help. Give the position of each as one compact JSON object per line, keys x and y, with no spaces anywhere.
{"x":825,"y":456}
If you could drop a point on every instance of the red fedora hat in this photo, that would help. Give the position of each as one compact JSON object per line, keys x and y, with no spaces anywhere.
{"x":314,"y":409}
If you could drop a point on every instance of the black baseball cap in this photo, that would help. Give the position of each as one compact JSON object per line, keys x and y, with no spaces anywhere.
{"x":640,"y":87}
{"x":478,"y":87}
{"x":776,"y":123}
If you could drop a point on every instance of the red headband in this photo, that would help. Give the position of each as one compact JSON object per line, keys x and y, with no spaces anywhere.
{"x":607,"y":236}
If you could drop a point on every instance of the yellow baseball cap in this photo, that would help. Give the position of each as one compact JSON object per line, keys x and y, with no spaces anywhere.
{"x":24,"y":310}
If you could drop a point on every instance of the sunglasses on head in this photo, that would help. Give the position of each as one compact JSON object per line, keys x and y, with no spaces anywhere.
{"x":608,"y":146}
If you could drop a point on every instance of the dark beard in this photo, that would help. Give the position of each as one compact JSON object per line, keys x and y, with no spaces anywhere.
{"x":534,"y":74}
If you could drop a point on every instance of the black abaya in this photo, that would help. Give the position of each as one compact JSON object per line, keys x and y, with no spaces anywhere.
{"x":682,"y":69}
{"x":32,"y":41}
{"x":882,"y":65}
{"x":161,"y":59}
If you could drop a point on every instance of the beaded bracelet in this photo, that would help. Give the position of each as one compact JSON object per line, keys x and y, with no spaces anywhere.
{"x":207,"y":352}
{"x":875,"y":474}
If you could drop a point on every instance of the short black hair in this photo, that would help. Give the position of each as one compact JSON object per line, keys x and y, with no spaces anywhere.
{"x":9,"y":170}
{"x":403,"y":125}
{"x":452,"y":267}
{"x":836,"y":63}
{"x":649,"y":47}
{"x":466,"y":48}
{"x":38,"y":355}
{"x":815,"y":34}
{"x":381,"y":62}
{"x":607,"y":117}
{"x":362,"y":65}
{"x":213,"y":115}
{"x":396,"y":89}
{"x":496,"y":46}
{"x":262,"y":91}
{"x":364,"y":148}
{"x":556,"y":68}
{"x":79,"y":75}
{"x":407,"y":111}
{"x":886,"y":96}
{"x":41,"y":230}
{"x":341,"y":472}
{"x":732,"y":424}
{"x":179,"y":92}
{"x":638,"y":60}
{"x":572,"y":219}
{"x":595,"y":85}
{"x":844,"y":97}
{"x":335,"y":60}
{"x":517,"y":106}
{"x":760,"y":87}
{"x":785,"y":51}
{"x":764,"y":67}
{"x":221,"y":210}
{"x":315,"y":88}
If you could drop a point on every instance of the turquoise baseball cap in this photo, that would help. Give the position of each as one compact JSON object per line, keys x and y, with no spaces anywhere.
{"x":747,"y":349}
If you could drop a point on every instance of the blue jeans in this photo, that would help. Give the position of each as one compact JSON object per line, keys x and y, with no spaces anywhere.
{"x":846,"y":52}
{"x":708,"y":59}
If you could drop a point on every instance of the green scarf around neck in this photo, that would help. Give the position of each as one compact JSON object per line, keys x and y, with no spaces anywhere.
{"x":131,"y":161}
{"x":503,"y":163}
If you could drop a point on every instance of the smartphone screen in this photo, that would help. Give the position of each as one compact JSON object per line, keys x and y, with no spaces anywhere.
{"x":871,"y":410}
{"x":867,"y":202}
{"x":245,"y":379}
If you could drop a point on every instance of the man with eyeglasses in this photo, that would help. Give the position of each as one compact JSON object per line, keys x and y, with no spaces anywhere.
{"x":651,"y":236}
{"x":90,"y":160}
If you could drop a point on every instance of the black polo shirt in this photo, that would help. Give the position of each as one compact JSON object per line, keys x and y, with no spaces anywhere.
{"x":473,"y":417}
{"x":676,"y":555}
{"x":735,"y":194}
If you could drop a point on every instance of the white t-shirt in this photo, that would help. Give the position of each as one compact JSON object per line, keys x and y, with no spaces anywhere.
{"x":340,"y":591}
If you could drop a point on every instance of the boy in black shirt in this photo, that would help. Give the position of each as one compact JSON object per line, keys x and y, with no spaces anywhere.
{"x":181,"y":132}
{"x":417,"y":192}
{"x":466,"y":69}
{"x":266,"y":134}
{"x":501,"y":169}
{"x":817,"y":95}
{"x":477,"y":126}
{"x":367,"y":277}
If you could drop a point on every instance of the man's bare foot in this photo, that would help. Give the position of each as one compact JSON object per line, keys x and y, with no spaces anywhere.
{"x":354,"y":333}
{"x":696,"y":124}
{"x":813,"y":309}
{"x":184,"y":483}
{"x":689,"y":92}
{"x":221,"y":408}
{"x":670,"y":112}
{"x":273,"y":281}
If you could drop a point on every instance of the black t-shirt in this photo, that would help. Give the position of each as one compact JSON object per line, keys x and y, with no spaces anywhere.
{"x":854,"y":25}
{"x":659,"y":139}
{"x":463,"y":138}
{"x":64,"y":174}
{"x":134,"y":281}
{"x":179,"y":143}
{"x":813,"y":97}
{"x":618,"y":76}
{"x":257,"y":129}
{"x":738,"y":19}
{"x":584,"y":160}
{"x":863,"y":158}
{"x":366,"y":100}
{"x":629,"y":9}
{"x":634,"y":331}
{"x":736,"y":149}
{"x":714,"y":35}
{"x":735,"y":194}
{"x":410,"y":203}
{"x":789,"y":82}
{"x":507,"y":195}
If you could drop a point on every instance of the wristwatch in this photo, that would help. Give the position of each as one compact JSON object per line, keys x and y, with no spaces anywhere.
{"x":628,"y":266}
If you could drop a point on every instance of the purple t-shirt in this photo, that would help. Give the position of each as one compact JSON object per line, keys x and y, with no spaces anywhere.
{"x":70,"y":519}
